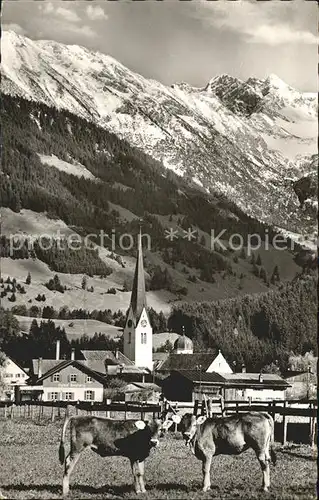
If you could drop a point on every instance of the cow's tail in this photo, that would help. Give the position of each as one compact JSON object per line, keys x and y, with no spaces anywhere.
{"x":61,"y":447}
{"x":273,"y":455}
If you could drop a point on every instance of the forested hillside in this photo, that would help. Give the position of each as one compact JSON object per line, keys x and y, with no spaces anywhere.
{"x":126,"y":186}
{"x":255,"y":329}
{"x":123,"y":177}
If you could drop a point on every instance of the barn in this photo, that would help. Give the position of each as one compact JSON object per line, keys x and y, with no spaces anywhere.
{"x":189,"y":385}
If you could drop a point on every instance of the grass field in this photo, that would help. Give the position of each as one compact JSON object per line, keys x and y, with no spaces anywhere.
{"x":29,"y":468}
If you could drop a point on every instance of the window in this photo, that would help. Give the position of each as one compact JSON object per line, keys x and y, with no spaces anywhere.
{"x":129,"y":337}
{"x":53,"y":396}
{"x":88,"y":378}
{"x":72,"y":377}
{"x":68,"y":396}
{"x":56,"y":377}
{"x":143,"y":338}
{"x":17,"y":375}
{"x":89,"y":395}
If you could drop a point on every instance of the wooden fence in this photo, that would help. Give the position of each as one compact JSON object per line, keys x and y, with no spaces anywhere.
{"x":38,"y":410}
{"x":60,"y":409}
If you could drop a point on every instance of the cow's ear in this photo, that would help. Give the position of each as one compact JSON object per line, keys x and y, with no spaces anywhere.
{"x":167,"y":424}
{"x":176,"y":419}
{"x":140,"y":424}
{"x":200,"y":420}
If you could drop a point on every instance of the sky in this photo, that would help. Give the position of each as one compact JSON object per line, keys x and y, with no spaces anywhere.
{"x":174,"y":41}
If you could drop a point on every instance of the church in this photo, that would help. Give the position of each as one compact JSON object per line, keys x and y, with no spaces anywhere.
{"x":138,"y":332}
{"x":138,"y":336}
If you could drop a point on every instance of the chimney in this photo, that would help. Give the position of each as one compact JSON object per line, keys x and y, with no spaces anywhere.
{"x":243,"y":368}
{"x":57,"y":350}
{"x":261,"y":377}
{"x":39,"y":367}
{"x":73,"y":354}
{"x":116,"y":353}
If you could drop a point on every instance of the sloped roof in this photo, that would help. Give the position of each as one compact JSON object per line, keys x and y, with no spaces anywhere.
{"x":294,"y":373}
{"x":197,"y":377}
{"x":158,"y":359}
{"x":9,"y":358}
{"x":77,"y":364}
{"x":46,"y":364}
{"x":268,"y":379}
{"x":138,"y":297}
{"x":108,"y":357}
{"x":141,"y":386}
{"x":189,"y":361}
{"x":233,"y":379}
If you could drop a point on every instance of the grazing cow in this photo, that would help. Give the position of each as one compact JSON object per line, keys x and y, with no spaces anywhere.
{"x":133,"y":439}
{"x":231,"y":435}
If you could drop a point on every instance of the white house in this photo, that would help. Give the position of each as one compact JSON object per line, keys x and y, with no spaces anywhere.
{"x":183,"y":358}
{"x":69,"y":380}
{"x":13,"y":375}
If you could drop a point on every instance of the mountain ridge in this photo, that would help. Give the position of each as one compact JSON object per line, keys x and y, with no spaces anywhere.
{"x":205,"y":137}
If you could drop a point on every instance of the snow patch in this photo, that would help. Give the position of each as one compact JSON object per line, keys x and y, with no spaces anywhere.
{"x":70,"y":168}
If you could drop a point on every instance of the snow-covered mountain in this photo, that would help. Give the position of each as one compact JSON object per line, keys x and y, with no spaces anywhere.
{"x":243,"y":139}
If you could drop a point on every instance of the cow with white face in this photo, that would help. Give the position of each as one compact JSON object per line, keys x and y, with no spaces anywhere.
{"x":231,"y":435}
{"x":133,"y":439}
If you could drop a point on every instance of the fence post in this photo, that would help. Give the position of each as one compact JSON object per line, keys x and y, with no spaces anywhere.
{"x":312,"y":427}
{"x":284,"y":424}
{"x":196,"y":407}
{"x":39,"y":413}
{"x":52,"y":413}
{"x":222,"y":405}
{"x":209,"y":408}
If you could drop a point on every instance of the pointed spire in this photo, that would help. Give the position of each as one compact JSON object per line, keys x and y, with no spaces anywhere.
{"x":138,"y":298}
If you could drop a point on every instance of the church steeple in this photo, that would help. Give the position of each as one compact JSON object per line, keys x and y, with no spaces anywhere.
{"x":137,"y":334}
{"x":138,"y":298}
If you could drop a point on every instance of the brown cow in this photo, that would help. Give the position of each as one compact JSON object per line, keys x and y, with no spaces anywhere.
{"x":231,"y":435}
{"x":129,"y":438}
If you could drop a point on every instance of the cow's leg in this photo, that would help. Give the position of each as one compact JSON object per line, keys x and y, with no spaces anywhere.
{"x":264,"y":463}
{"x":69,"y":465}
{"x":136,"y":475}
{"x":207,"y":462}
{"x":140,"y":476}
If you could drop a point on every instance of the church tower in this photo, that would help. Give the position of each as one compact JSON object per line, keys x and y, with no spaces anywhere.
{"x":138,"y":340}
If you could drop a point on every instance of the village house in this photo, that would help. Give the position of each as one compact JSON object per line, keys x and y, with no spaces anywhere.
{"x":13,"y":376}
{"x":183,"y":358}
{"x":147,"y":392}
{"x":189,"y":385}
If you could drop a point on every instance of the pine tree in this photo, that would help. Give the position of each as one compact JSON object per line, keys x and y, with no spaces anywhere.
{"x":84,"y":282}
{"x":28,"y":279}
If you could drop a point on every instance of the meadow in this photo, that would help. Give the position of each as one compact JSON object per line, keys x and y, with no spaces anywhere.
{"x":29,"y":468}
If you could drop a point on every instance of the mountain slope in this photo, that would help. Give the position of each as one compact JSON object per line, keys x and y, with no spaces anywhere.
{"x":236,"y":138}
{"x":45,"y":152}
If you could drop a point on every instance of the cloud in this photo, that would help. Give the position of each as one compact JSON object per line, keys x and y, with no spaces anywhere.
{"x":276,"y":35}
{"x":257,"y":22}
{"x":95,"y":13}
{"x":14,"y":27}
{"x":65,"y":20}
{"x":67,"y":14}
